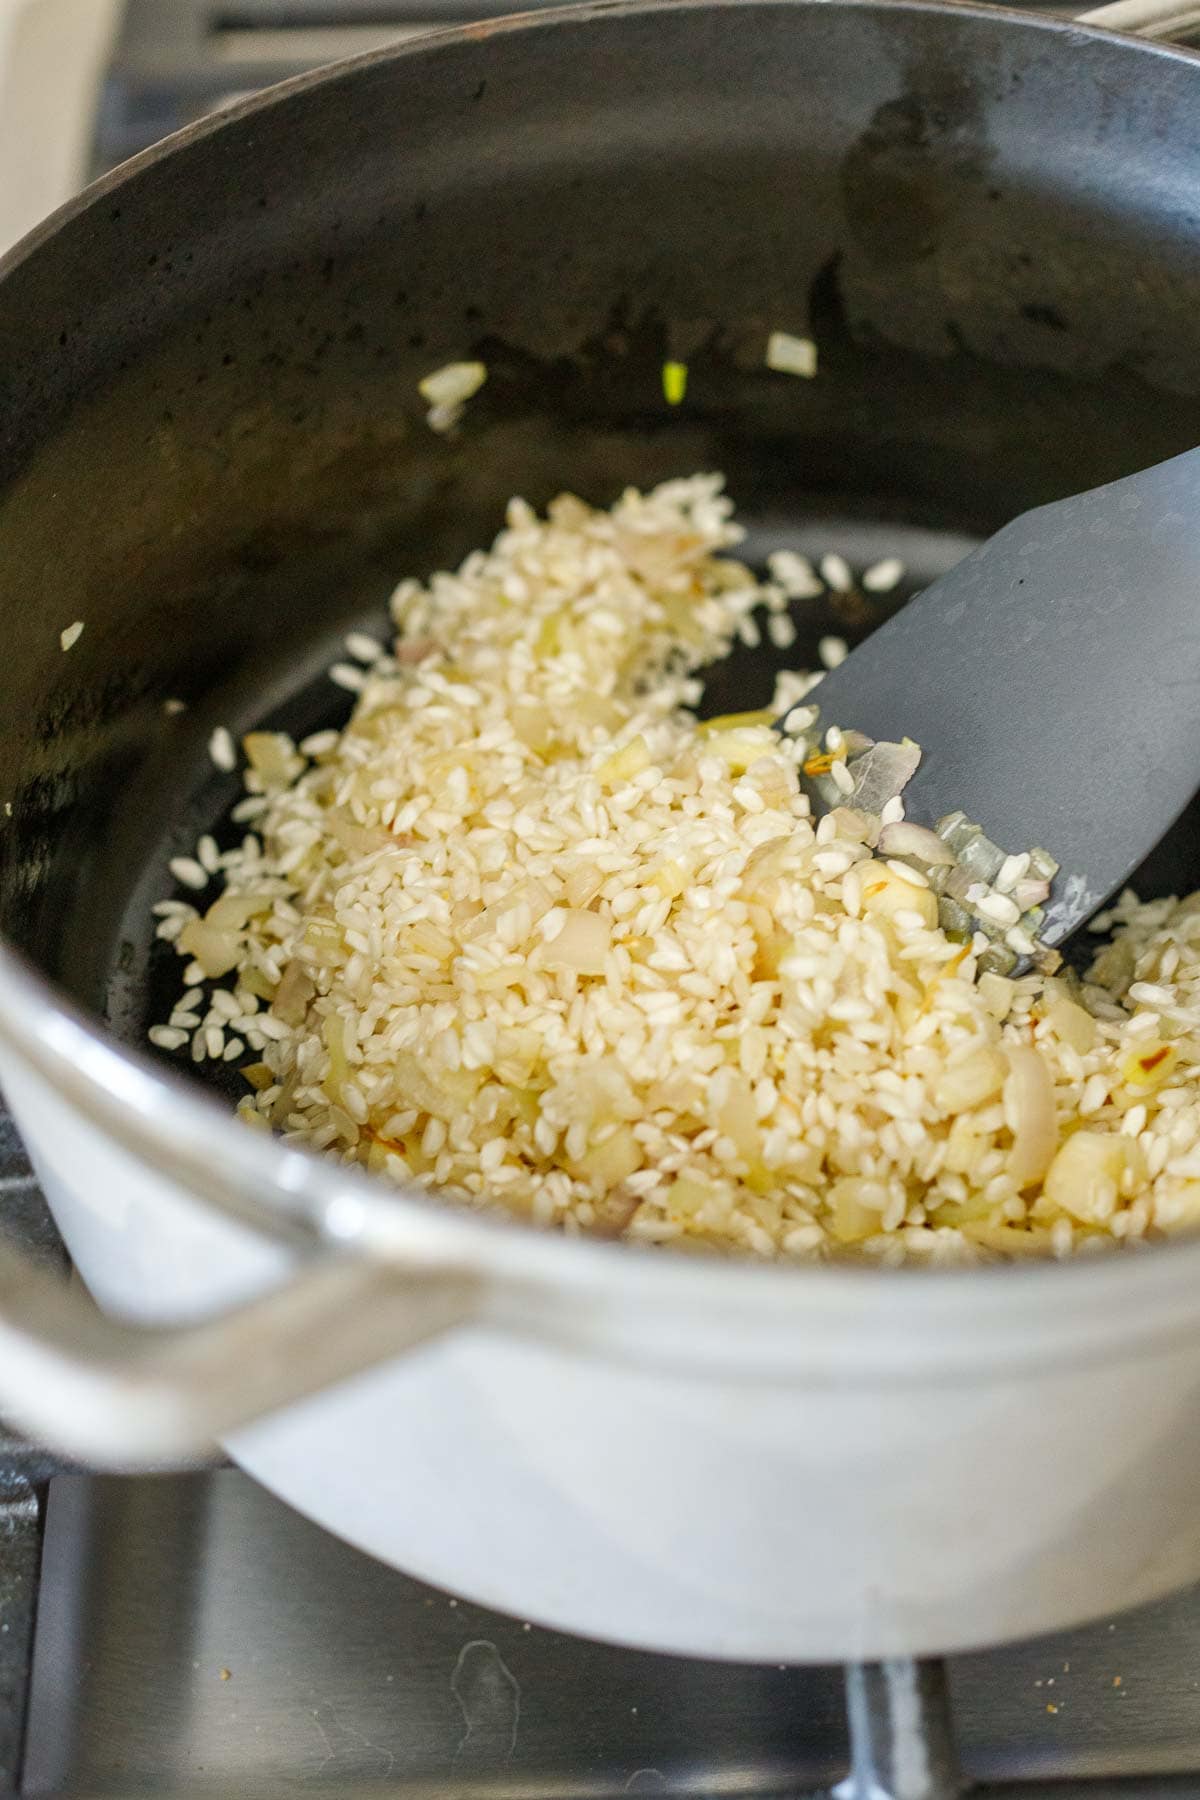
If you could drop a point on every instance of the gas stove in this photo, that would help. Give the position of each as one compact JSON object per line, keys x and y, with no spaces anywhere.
{"x":188,"y":1635}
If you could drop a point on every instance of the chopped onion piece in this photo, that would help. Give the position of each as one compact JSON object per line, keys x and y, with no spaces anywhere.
{"x":1042,"y":864}
{"x":997,"y":994}
{"x":983,"y":858}
{"x":997,"y":960}
{"x":217,"y":952}
{"x":1070,"y":1022}
{"x":1029,"y":1110}
{"x":855,"y":743}
{"x":954,"y":919}
{"x":791,"y":355}
{"x":1085,"y":1177}
{"x":272,"y":755}
{"x":969,"y":1083}
{"x":582,"y":884}
{"x":232,"y":912}
{"x":582,"y":944}
{"x":925,"y":846}
{"x":885,"y":893}
{"x":293,"y":994}
{"x":1029,"y":893}
{"x":882,"y":772}
{"x":355,"y":839}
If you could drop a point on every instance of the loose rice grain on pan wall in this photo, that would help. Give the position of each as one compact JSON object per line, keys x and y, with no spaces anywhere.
{"x":527,"y":933}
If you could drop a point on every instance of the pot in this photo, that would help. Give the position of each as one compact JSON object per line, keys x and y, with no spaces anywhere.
{"x":213,"y":453}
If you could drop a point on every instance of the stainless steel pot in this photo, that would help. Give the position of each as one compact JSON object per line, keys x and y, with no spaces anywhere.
{"x":213,"y":454}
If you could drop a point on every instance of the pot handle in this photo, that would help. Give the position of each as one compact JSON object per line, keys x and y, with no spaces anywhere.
{"x":1145,"y":18}
{"x":121,"y":1397}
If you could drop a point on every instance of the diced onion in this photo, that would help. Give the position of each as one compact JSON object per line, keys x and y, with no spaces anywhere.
{"x":272,"y":755}
{"x":217,"y":952}
{"x":791,"y":355}
{"x":883,"y":772}
{"x":904,"y":839}
{"x":581,"y":945}
{"x":1085,"y":1177}
{"x":856,"y":1207}
{"x":971,"y":1082}
{"x":1071,"y":1024}
{"x":1029,"y":1110}
{"x":612,"y":1161}
{"x":885,"y":893}
{"x":293,"y":994}
{"x":231,"y":912}
{"x":356,"y":840}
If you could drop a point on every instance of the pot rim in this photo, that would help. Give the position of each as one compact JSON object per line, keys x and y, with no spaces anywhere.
{"x":843,"y":1319}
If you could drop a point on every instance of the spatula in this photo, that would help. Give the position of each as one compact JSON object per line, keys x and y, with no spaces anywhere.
{"x":1052,"y":679}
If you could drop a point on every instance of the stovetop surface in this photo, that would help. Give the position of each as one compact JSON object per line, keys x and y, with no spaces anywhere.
{"x":196,"y":1637}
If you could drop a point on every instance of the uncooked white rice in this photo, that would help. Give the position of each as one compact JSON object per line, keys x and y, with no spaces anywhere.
{"x":188,"y":872}
{"x":836,"y":573}
{"x":363,"y":647}
{"x":883,"y":576}
{"x":222,"y":750}
{"x":525,"y":932}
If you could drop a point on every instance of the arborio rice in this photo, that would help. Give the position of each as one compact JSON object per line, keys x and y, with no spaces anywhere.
{"x":526,"y":932}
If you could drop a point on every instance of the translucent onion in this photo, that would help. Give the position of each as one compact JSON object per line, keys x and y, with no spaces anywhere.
{"x":905,"y":839}
{"x":1029,"y":1111}
{"x":272,"y":755}
{"x":1070,"y":1023}
{"x":1085,"y":1177}
{"x":232,"y":912}
{"x":969,"y":1083}
{"x":1030,"y":892}
{"x":295,"y":990}
{"x":282,"y":1104}
{"x":882,"y":772}
{"x":582,"y":944}
{"x":355,"y":839}
{"x":217,"y":952}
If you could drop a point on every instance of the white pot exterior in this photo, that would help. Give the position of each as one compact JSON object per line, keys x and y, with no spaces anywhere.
{"x":789,"y":1521}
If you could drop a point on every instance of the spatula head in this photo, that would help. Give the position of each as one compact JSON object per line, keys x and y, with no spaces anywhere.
{"x":1052,"y":680}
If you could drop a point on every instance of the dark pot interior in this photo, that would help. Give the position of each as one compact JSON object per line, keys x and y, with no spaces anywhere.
{"x":214,"y":453}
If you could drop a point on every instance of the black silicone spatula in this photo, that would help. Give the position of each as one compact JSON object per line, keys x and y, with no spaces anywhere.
{"x":1052,"y":680}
